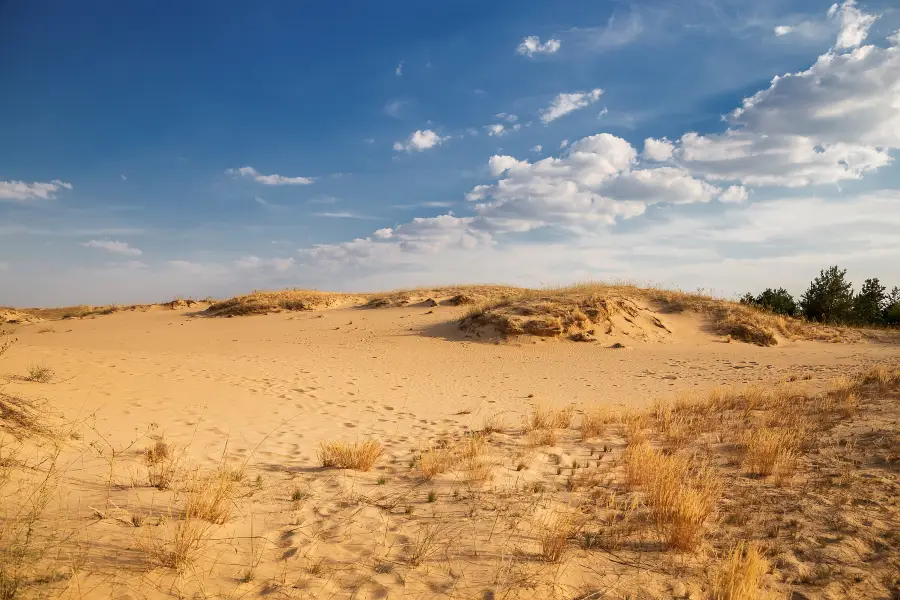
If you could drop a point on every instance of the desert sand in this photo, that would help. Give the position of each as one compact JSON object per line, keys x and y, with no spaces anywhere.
{"x":257,"y":395}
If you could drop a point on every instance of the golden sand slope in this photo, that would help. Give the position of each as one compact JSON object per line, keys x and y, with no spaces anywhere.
{"x":735,"y":493}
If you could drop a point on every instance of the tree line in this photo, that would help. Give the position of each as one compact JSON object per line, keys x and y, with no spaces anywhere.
{"x":830,"y":299}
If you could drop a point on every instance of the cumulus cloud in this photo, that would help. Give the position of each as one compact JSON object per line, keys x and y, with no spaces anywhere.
{"x":658,"y":150}
{"x":268,"y":179}
{"x":255,"y":262}
{"x":21,"y":191}
{"x":563,"y":104}
{"x":783,"y":30}
{"x":497,"y":129}
{"x":419,"y":141}
{"x":532,"y":45}
{"x":113,"y":246}
{"x":835,"y":121}
{"x":537,"y":148}
{"x":854,"y":23}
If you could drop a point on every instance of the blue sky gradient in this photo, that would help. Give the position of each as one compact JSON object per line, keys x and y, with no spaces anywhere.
{"x":145,"y":111}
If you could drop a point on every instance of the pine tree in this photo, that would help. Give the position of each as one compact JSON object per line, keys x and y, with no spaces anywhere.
{"x":869,"y":303}
{"x":829,"y":298}
{"x":891,"y":313}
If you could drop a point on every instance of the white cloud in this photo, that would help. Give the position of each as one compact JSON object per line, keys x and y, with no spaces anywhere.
{"x":783,"y":30}
{"x":423,"y":205}
{"x":616,"y":33}
{"x":507,"y":117}
{"x":394,"y":108}
{"x":20,"y":191}
{"x":346,"y":214}
{"x":563,"y":104}
{"x":835,"y":121}
{"x":113,"y":246}
{"x":268,"y":179}
{"x":537,"y":148}
{"x":658,"y":150}
{"x":532,"y":45}
{"x":399,"y":70}
{"x":855,"y":24}
{"x":497,"y":129}
{"x":564,"y":143}
{"x":735,"y":194}
{"x":255,"y":262}
{"x":419,"y":141}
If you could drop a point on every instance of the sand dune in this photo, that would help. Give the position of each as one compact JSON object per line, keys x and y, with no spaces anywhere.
{"x":260,"y":393}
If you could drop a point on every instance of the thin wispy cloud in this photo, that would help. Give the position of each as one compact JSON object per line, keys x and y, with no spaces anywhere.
{"x":423,"y":205}
{"x":344,"y":214}
{"x":394,"y":108}
{"x":274,"y":179}
{"x":113,"y":246}
{"x":564,"y":104}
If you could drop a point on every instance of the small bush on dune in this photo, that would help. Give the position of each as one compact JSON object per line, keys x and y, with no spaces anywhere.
{"x":360,"y":456}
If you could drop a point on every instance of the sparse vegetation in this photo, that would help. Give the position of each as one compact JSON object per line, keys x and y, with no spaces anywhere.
{"x":39,"y":374}
{"x":360,"y":456}
{"x":740,"y":573}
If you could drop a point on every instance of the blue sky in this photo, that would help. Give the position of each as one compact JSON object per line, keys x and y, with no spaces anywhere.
{"x":159,"y":149}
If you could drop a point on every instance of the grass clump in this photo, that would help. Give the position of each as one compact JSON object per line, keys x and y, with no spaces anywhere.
{"x":464,"y":454}
{"x":593,"y":422}
{"x":556,"y":530}
{"x":740,"y":573}
{"x":360,"y":456}
{"x":211,"y":495}
{"x":39,"y":374}
{"x":161,"y":464}
{"x":772,"y":451}
{"x":681,"y":498}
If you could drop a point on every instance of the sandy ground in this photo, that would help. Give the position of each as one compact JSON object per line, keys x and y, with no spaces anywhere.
{"x":268,"y":389}
{"x":398,"y":374}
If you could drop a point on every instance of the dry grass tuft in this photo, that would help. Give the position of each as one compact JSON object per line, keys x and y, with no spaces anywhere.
{"x":593,"y":422}
{"x":211,"y":495}
{"x":541,"y":437}
{"x":555,"y":532}
{"x":681,"y":499}
{"x":39,"y":374}
{"x":427,"y":543}
{"x":740,"y":574}
{"x":548,"y":418}
{"x":161,"y":464}
{"x":360,"y":456}
{"x":464,"y":454}
{"x":493,"y":424}
{"x":772,"y":451}
{"x":844,"y":394}
{"x":182,"y":548}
